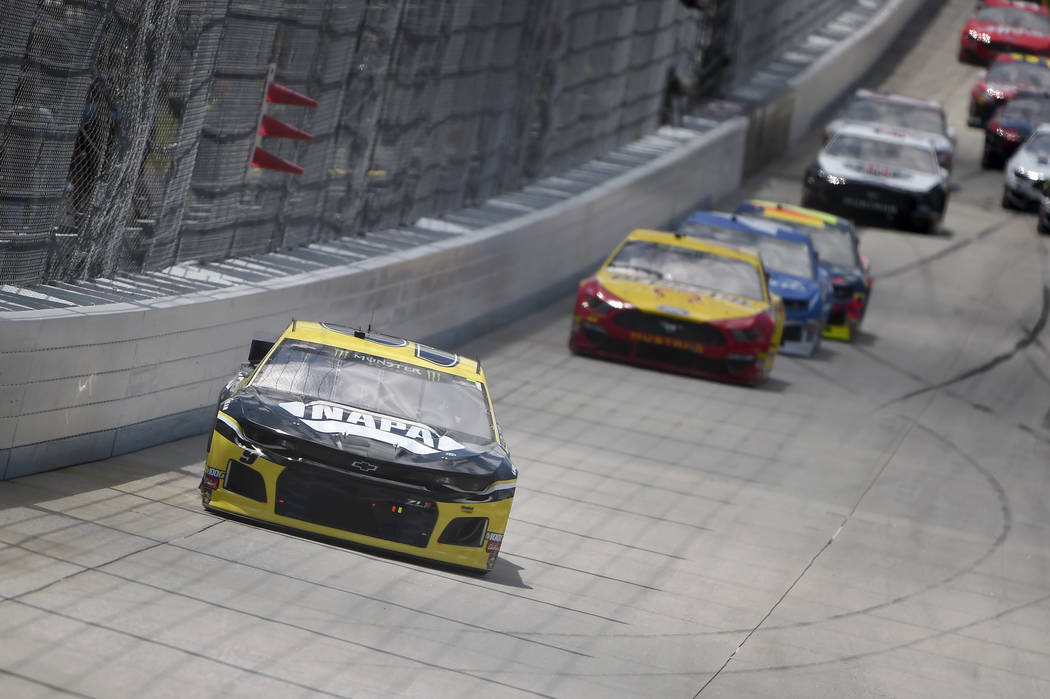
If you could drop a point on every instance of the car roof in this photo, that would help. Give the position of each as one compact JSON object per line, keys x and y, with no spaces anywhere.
{"x":386,"y":346}
{"x":1016,"y":4}
{"x":752,"y":224}
{"x":830,"y":220}
{"x":1034,"y":94}
{"x":739,"y":252}
{"x":1022,"y":58}
{"x":775,"y":211}
{"x":883,"y":133}
{"x":898,"y":98}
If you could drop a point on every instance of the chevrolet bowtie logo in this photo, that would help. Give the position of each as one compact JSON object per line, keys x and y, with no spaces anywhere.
{"x":364,"y":466}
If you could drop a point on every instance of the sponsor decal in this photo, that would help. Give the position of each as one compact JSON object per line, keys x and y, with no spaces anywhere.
{"x":466,"y":508}
{"x":495,"y":540}
{"x":674,"y":310}
{"x":205,"y":496}
{"x":884,"y":207}
{"x":364,"y":466}
{"x":212,"y":478}
{"x":491,"y":563}
{"x":333,"y":418}
{"x":674,"y":342}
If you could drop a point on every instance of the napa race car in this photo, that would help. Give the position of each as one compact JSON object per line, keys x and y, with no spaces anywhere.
{"x":917,"y":117}
{"x":1004,"y":26}
{"x":838,"y":251}
{"x":1011,"y":124}
{"x":791,"y":261}
{"x":876,"y":172}
{"x":1009,"y":74}
{"x":363,"y":438}
{"x":673,"y":302}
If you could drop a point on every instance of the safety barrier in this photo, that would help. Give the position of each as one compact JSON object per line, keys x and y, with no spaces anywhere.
{"x":85,"y":383}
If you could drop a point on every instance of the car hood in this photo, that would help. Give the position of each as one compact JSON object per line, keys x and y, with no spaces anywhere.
{"x":854,"y":170}
{"x":849,"y":275}
{"x":1030,"y":161}
{"x":678,"y":300}
{"x":793,"y":288}
{"x":940,"y":142}
{"x":292,"y":425}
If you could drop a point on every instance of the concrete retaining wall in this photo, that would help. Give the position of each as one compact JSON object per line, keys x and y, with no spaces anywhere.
{"x":83,"y":384}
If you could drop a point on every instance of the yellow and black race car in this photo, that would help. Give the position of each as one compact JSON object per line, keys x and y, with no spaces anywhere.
{"x":366,"y":438}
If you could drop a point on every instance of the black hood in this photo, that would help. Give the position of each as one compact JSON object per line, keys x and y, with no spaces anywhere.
{"x":283,"y":425}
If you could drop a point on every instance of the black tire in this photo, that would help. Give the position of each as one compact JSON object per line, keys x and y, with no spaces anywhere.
{"x":989,"y":161}
{"x":1007,"y":202}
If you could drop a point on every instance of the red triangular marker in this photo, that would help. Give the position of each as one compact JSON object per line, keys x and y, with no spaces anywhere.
{"x":283,"y":95}
{"x":269,"y":161}
{"x":273,"y":127}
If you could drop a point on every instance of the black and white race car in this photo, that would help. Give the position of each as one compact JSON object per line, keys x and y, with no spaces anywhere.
{"x":874,"y":172}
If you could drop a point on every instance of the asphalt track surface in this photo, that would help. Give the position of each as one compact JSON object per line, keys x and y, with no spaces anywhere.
{"x":873,"y":522}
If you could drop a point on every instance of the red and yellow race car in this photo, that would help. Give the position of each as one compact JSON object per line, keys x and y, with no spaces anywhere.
{"x":365,"y":438}
{"x":675,"y":302}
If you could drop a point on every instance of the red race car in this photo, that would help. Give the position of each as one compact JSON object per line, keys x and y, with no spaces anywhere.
{"x":1008,"y":74}
{"x":1004,"y":26}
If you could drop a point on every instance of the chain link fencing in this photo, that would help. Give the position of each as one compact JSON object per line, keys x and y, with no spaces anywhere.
{"x":127,"y":126}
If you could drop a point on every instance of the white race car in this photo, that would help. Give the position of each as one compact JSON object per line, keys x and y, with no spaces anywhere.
{"x":1027,"y":171}
{"x":868,"y":171}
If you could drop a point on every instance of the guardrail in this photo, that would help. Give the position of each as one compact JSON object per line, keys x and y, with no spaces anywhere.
{"x":86,"y":383}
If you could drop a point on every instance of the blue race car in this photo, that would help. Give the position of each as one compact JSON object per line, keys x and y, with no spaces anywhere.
{"x":791,"y":261}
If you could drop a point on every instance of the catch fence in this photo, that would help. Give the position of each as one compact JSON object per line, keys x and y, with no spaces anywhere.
{"x":127,"y":126}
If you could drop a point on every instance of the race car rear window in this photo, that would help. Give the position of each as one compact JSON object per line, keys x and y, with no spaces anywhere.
{"x":890,"y":113}
{"x":442,"y":401}
{"x":697,"y":268}
{"x":1013,"y":17}
{"x":888,"y":153}
{"x":1034,"y":74}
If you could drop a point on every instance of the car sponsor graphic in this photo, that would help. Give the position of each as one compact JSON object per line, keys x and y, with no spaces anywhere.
{"x":332,"y":418}
{"x":212,"y":478}
{"x":495,"y":540}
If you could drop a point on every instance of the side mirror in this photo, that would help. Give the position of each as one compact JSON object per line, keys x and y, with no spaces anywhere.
{"x":950,"y":133}
{"x":258,"y":349}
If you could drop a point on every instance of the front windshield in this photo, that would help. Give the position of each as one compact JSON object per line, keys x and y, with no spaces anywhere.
{"x":1035,"y":74}
{"x":444,"y":402}
{"x":778,"y":255}
{"x":1031,"y":109}
{"x":889,"y":153}
{"x":1038,"y":145}
{"x":890,"y":113}
{"x":834,"y":246}
{"x":695,"y":268}
{"x":1013,"y":17}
